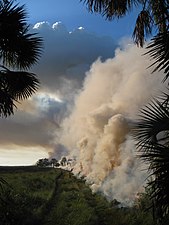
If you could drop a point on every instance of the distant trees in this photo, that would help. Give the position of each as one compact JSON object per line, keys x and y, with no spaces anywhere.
{"x":42,"y":162}
{"x":54,"y":162}
{"x":19,"y":50}
{"x":47,"y":163}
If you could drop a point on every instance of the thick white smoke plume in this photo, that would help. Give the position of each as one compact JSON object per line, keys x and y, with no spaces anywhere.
{"x":97,"y":133}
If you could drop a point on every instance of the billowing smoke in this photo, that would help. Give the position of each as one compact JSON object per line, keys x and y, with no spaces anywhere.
{"x":97,"y":133}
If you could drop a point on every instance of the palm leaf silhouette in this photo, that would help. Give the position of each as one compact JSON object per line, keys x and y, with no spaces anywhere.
{"x":19,"y":50}
{"x":151,"y":133}
{"x":143,"y":27}
{"x":158,"y":49}
{"x":152,"y":14}
{"x":15,"y":86}
{"x":111,"y":8}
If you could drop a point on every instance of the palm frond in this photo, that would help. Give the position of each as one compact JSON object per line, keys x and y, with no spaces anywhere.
{"x":142,"y":28}
{"x":18,"y":84}
{"x":22,"y":52}
{"x":12,"y":17}
{"x":18,"y":48}
{"x":15,"y":86}
{"x":158,"y":160}
{"x":110,"y":8}
{"x":151,"y":134}
{"x":158,"y":49}
{"x":6,"y":104}
{"x":160,"y":14}
{"x":154,"y":119}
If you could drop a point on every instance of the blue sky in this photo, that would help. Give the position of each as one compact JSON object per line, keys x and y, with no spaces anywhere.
{"x":74,"y":13}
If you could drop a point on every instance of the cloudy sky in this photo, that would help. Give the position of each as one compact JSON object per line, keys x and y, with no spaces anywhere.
{"x":73,"y":40}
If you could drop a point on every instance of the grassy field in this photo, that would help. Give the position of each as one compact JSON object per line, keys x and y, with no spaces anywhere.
{"x":37,"y":181}
{"x":47,"y":196}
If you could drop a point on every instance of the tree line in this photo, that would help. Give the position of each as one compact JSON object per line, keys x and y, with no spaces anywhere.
{"x":53,"y":162}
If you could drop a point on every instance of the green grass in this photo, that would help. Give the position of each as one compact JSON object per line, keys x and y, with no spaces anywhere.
{"x":37,"y":181}
{"x":47,"y":196}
